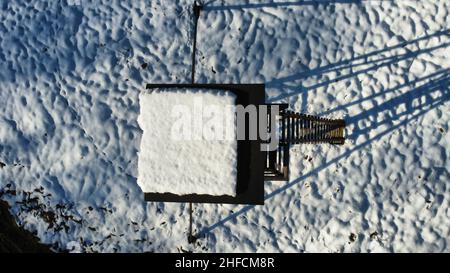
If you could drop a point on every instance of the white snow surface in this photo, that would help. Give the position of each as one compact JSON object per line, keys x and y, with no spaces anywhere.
{"x":183,"y":149}
{"x":70,"y":81}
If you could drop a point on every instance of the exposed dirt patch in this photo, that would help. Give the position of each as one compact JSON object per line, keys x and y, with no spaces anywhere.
{"x":14,"y":238}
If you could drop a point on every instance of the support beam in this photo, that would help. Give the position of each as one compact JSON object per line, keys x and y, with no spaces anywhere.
{"x":196,"y":10}
{"x":191,"y":238}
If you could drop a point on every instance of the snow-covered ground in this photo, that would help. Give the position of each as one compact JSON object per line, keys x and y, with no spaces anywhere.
{"x":71,"y":73}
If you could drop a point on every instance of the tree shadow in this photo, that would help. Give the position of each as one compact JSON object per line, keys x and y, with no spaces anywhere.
{"x":418,"y":101}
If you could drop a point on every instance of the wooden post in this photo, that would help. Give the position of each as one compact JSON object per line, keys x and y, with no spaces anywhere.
{"x":196,"y":10}
{"x":191,"y":237}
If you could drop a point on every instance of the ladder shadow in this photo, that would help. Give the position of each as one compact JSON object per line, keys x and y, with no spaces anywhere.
{"x":421,"y":97}
{"x":434,"y":93}
{"x":361,"y":64}
{"x":429,"y":77}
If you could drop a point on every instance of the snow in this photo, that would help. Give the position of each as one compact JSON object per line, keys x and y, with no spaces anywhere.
{"x":69,"y":133}
{"x":177,"y":154}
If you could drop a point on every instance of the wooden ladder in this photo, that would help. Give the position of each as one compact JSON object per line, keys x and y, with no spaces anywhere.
{"x":296,"y":128}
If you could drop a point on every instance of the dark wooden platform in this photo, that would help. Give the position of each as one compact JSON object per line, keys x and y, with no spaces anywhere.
{"x":250,"y":161}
